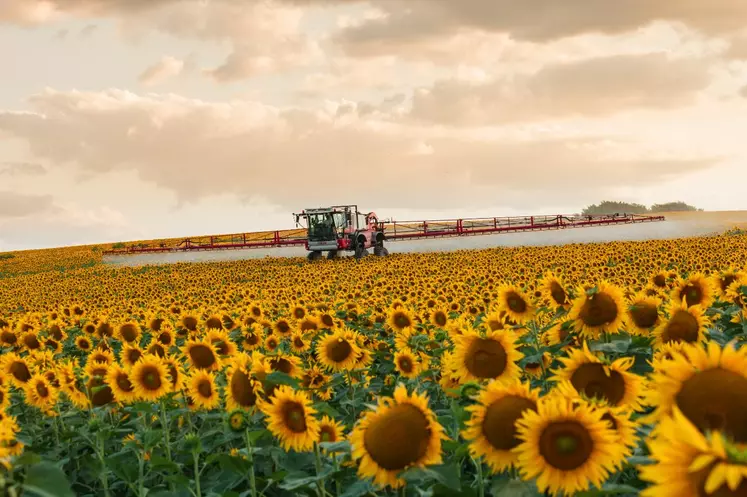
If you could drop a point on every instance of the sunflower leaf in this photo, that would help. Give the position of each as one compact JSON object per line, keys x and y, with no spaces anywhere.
{"x":514,"y":488}
{"x":343,"y":446}
{"x":611,"y":489}
{"x":47,"y":480}
{"x":280,"y":378}
{"x":361,"y":487}
{"x":325,"y":408}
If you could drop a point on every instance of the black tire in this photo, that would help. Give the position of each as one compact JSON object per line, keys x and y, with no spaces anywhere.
{"x":381,"y":251}
{"x":360,"y":252}
{"x":332,"y":254}
{"x":314,"y":256}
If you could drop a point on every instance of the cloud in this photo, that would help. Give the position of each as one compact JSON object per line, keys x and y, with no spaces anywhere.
{"x":590,"y":88}
{"x":265,"y":36}
{"x":87,"y":31}
{"x":21,"y":169}
{"x":27,"y":12}
{"x":743,"y":91}
{"x":738,"y":47}
{"x":405,"y":21}
{"x":166,"y":68}
{"x":13,"y":205}
{"x":293,"y":157}
{"x":64,"y":224}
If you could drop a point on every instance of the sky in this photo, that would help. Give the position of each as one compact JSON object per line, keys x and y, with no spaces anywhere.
{"x":140,"y":119}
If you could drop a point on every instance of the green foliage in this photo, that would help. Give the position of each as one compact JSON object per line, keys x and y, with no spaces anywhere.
{"x":609,"y":207}
{"x":673,"y":207}
{"x":6,"y":256}
{"x":612,"y":207}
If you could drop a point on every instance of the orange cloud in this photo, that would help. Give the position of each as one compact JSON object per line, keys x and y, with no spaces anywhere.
{"x":534,"y":20}
{"x":14,"y":205}
{"x":289,"y":157}
{"x":587,"y":88}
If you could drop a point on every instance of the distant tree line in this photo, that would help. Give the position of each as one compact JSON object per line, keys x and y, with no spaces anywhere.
{"x":610,"y":207}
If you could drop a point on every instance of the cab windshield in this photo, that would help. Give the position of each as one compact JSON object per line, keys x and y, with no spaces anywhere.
{"x":322,"y":227}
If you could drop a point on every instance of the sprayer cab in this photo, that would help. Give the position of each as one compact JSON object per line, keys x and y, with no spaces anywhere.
{"x":341,"y":228}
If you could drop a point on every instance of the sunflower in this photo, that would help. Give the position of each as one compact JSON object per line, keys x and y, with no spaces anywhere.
{"x":203,"y":390}
{"x":620,"y":420}
{"x":515,"y":303}
{"x":16,"y":368}
{"x":486,"y":355}
{"x":40,"y":393}
{"x":282,"y":327}
{"x":129,"y":355}
{"x":724,"y":279}
{"x":598,"y":310}
{"x":403,"y":339}
{"x":708,"y":386}
{"x":222,"y":342}
{"x":553,"y":290}
{"x":119,"y":381}
{"x":439,"y":317}
{"x":689,"y":464}
{"x":308,"y":324}
{"x":202,"y":354}
{"x":684,"y":324}
{"x":156,"y":349}
{"x":697,"y":289}
{"x":105,"y":356}
{"x":271,"y":343}
{"x":535,"y":369}
{"x":165,"y":336}
{"x":330,"y":430}
{"x":298,"y":343}
{"x":149,"y":378}
{"x":660,"y":280}
{"x":83,"y":343}
{"x":242,"y":391}
{"x":30,"y":341}
{"x":338,"y":350}
{"x":253,"y":337}
{"x":642,"y":314}
{"x":400,"y":433}
{"x":560,"y":331}
{"x":491,"y":429}
{"x":593,"y":378}
{"x":290,"y":418}
{"x":129,"y":332}
{"x":237,"y":421}
{"x":400,"y":318}
{"x":176,"y":374}
{"x":4,"y":397}
{"x":326,"y":320}
{"x":407,"y":363}
{"x":566,"y":447}
{"x":665,"y":353}
{"x":287,"y":364}
{"x":214,"y":322}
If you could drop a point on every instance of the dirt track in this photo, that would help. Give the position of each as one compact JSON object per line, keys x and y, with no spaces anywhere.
{"x":677,"y":225}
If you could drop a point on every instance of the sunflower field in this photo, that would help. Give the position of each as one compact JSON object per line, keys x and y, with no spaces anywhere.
{"x":587,"y":369}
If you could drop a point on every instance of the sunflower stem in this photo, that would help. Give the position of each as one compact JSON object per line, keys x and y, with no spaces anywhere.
{"x":480,"y":479}
{"x":250,"y":455}
{"x":352,"y":393}
{"x":141,"y":474}
{"x":535,"y":335}
{"x":318,"y":465}
{"x":104,"y":477}
{"x":196,"y":458}
{"x":336,"y":464}
{"x":166,"y":437}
